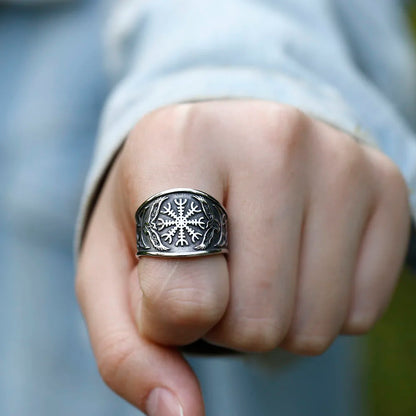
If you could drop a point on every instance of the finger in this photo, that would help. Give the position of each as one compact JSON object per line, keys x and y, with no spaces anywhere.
{"x":155,"y":379}
{"x":382,"y":252}
{"x":335,"y":220}
{"x":182,"y":298}
{"x":266,"y":210}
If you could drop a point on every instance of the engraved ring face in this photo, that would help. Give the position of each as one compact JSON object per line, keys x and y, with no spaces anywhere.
{"x":181,"y":223}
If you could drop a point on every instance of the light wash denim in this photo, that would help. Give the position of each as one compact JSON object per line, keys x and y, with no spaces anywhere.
{"x":346,"y":62}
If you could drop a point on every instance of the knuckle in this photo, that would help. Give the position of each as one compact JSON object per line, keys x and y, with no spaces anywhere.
{"x":192,"y":121}
{"x":285,"y":132}
{"x":163,"y":128}
{"x":257,"y":335}
{"x":113,"y":355}
{"x":183,"y":306}
{"x":392,"y":189}
{"x":191,"y":307}
{"x":194,"y":115}
{"x":282,"y":139}
{"x":361,"y":322}
{"x":289,"y":119}
{"x":386,"y":171}
{"x":394,"y":180}
{"x":309,"y":344}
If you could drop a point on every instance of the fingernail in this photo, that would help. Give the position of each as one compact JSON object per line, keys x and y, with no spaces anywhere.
{"x":162,"y":402}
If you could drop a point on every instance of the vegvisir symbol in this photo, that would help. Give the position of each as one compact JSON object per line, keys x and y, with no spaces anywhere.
{"x":180,"y":222}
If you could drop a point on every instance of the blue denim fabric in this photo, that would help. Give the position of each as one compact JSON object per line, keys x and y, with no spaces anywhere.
{"x":52,"y":87}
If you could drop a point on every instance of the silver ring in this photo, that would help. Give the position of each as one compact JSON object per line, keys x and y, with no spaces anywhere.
{"x":181,"y":223}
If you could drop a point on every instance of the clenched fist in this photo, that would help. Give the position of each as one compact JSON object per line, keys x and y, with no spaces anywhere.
{"x":318,"y":228}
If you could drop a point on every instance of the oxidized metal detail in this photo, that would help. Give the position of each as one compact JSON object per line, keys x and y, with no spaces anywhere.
{"x":181,"y":222}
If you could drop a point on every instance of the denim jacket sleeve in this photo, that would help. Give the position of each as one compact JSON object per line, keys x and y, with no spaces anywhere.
{"x":347,"y":63}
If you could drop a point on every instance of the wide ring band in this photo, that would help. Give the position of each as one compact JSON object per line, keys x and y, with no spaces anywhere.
{"x":181,"y":222}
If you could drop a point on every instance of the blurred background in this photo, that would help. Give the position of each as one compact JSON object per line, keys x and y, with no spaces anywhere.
{"x":41,"y":181}
{"x":391,"y":346}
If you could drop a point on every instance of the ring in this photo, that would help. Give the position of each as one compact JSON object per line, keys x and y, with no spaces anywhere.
{"x":181,"y":223}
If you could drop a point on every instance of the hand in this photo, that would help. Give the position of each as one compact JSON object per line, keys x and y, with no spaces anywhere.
{"x":318,"y":232}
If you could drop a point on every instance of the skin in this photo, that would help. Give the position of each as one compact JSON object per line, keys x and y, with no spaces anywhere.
{"x":318,"y":231}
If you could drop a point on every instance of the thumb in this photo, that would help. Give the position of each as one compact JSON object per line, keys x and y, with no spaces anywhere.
{"x":155,"y":379}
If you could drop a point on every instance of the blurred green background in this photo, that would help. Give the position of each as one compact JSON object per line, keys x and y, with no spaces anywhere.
{"x":391,"y":346}
{"x":391,"y":355}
